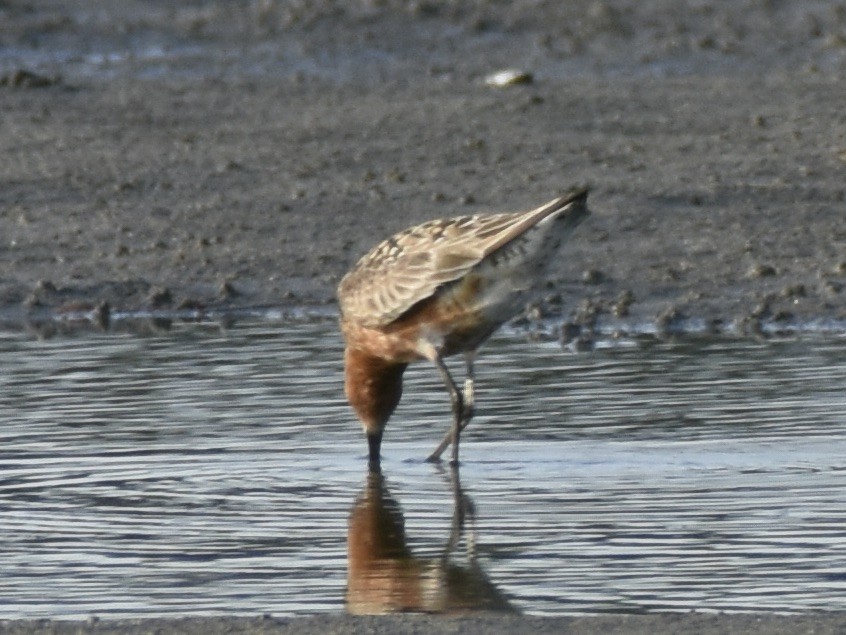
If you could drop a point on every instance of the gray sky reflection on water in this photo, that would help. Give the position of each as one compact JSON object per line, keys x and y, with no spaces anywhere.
{"x":209,"y":471}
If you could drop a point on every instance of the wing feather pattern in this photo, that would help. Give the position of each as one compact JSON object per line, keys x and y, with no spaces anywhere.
{"x":413,"y":265}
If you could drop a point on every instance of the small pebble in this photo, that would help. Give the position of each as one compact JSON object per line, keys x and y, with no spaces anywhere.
{"x":569,"y":332}
{"x":761,"y":310}
{"x":160,"y":297}
{"x":592,"y":276}
{"x":102,"y":315}
{"x":794,"y":291}
{"x":509,"y":77}
{"x":832,"y":288}
{"x":762,"y":271}
{"x":45,"y":286}
{"x":668,"y":318}
{"x":227,"y":290}
{"x":27,"y":79}
{"x":621,"y":306}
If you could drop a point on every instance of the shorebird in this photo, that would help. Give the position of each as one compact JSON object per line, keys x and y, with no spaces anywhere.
{"x":439,"y":289}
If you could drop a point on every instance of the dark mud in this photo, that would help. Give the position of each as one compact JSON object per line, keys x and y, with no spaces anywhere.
{"x":150,"y":162}
{"x":821,"y":624}
{"x":215,"y":157}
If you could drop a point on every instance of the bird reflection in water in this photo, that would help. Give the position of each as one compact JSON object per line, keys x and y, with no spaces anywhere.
{"x":384,"y":576}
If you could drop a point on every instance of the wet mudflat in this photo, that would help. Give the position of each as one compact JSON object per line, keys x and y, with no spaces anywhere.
{"x":219,"y":156}
{"x":212,"y":471}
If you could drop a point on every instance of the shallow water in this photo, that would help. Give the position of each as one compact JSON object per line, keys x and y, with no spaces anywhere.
{"x":214,"y":471}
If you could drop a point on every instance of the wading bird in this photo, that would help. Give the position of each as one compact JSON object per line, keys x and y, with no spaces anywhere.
{"x":439,"y":289}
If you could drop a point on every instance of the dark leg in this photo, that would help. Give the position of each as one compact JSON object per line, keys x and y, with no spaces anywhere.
{"x":374,"y":442}
{"x":467,"y":409}
{"x":457,"y":413}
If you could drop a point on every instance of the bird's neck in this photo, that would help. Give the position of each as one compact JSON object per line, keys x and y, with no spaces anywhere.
{"x":373,"y":386}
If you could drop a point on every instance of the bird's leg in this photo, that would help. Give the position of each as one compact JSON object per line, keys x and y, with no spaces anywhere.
{"x":465,"y":412}
{"x":469,"y":392}
{"x":457,"y":413}
{"x":374,"y":441}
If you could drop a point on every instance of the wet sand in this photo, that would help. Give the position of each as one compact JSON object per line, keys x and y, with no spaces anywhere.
{"x":244,"y":193}
{"x":819,"y":624}
{"x":713,"y":143}
{"x":717,"y":192}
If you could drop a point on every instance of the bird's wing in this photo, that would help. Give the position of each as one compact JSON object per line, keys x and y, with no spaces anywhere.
{"x":412,"y":265}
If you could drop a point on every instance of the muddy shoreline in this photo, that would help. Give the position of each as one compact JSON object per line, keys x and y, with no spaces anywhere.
{"x":157,"y":163}
{"x":753,"y":624}
{"x":139,"y":195}
{"x":215,"y":156}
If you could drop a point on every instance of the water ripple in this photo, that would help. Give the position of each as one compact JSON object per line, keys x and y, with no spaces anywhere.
{"x":203,"y":471}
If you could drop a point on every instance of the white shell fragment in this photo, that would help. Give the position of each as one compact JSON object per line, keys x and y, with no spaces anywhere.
{"x":508,"y":77}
